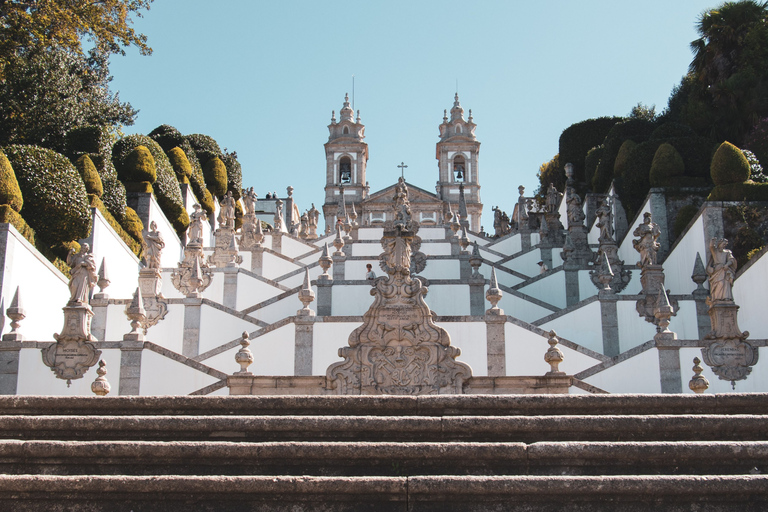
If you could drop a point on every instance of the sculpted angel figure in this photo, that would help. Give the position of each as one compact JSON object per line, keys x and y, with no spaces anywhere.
{"x":721,"y":269}
{"x":249,"y":200}
{"x":227,"y":214}
{"x":155,"y":245}
{"x":83,"y":274}
{"x":195,"y":233}
{"x":605,"y":222}
{"x":647,"y":245}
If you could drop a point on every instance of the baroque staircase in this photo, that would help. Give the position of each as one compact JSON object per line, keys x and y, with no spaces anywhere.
{"x":389,"y":453}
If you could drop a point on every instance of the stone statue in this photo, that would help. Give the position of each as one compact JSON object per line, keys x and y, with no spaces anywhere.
{"x":553,"y":198}
{"x":155,"y":246}
{"x":575,"y":211}
{"x":304,"y":225}
{"x":278,"y":219}
{"x":83,"y":275}
{"x":721,"y":269}
{"x":605,"y":220}
{"x":312,"y":216}
{"x":249,"y":201}
{"x":227,"y":214}
{"x":198,"y":217}
{"x":647,"y":245}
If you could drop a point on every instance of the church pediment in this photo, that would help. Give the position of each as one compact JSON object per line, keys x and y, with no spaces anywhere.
{"x":415,"y":195}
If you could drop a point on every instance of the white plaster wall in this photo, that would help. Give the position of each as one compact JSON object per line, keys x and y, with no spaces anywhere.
{"x":431,"y":233}
{"x":43,"y":289}
{"x":751,"y":294}
{"x":327,"y":339}
{"x":581,"y":326}
{"x":634,"y":287}
{"x":586,"y":287}
{"x":525,"y":354}
{"x":526,"y":263}
{"x":355,"y":269}
{"x":122,"y":264}
{"x":522,"y":309}
{"x":280,"y":309}
{"x":509,"y":245}
{"x":502,"y":277}
{"x":218,"y":328}
{"x":436,"y":249}
{"x":167,"y":288}
{"x":448,"y":299}
{"x":251,"y":291}
{"x":678,"y":266}
{"x":594,"y":233}
{"x":164,"y":376}
{"x":470,"y":338}
{"x":167,"y":333}
{"x":310,"y":258}
{"x":351,"y":300}
{"x":298,"y":279}
{"x":756,"y":382}
{"x":273,"y":266}
{"x":557,"y":260}
{"x":294,"y":248}
{"x":225,"y":362}
{"x":633,"y":330}
{"x":273,"y":353}
{"x":172,"y":253}
{"x":366,"y":249}
{"x":487,"y":255}
{"x":37,"y":379}
{"x":639,"y":374}
{"x":684,"y":323}
{"x":442,"y":269}
{"x":215,"y":290}
{"x":550,"y":289}
{"x":365,"y":233}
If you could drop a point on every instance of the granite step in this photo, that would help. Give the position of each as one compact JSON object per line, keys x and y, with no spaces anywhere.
{"x":525,"y":429}
{"x":381,"y":459}
{"x":25,"y":493}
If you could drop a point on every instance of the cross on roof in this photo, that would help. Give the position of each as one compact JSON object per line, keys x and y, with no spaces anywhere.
{"x":402,"y":167}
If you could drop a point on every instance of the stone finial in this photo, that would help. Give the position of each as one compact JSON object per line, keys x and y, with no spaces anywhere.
{"x":663,"y":311}
{"x":464,"y":240}
{"x":103,"y":281}
{"x":699,"y":275}
{"x":353,"y":216}
{"x":604,"y":273}
{"x":553,"y":356}
{"x":289,"y":189}
{"x":137,"y":315}
{"x":101,"y":386}
{"x":258,"y":236}
{"x":16,"y":313}
{"x":306,"y":296}
{"x":244,"y":357}
{"x":475,"y":261}
{"x":494,"y":293}
{"x":456,"y":225}
{"x":338,"y":242}
{"x":325,"y":262}
{"x":569,"y":171}
{"x":543,"y":228}
{"x":698,"y":384}
{"x":521,"y":190}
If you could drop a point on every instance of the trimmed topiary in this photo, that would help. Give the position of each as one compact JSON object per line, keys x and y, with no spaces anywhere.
{"x":634,"y":185}
{"x":205,"y":147}
{"x":667,"y":165}
{"x":10,"y":193}
{"x":90,"y":176}
{"x":138,"y":166}
{"x":207,"y":202}
{"x":636,"y":129}
{"x":729,"y":165}
{"x":684,"y":217}
{"x":181,"y":165}
{"x":578,"y":139}
{"x":167,"y":137}
{"x":747,"y":191}
{"x":114,"y":194}
{"x":672,"y":130}
{"x":55,"y":200}
{"x":234,"y":174}
{"x":622,"y":159}
{"x":215,"y":173}
{"x":133,"y":224}
{"x":8,"y":215}
{"x":591,"y":162}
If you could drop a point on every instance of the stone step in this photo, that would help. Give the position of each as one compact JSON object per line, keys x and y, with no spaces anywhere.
{"x":24,"y":493}
{"x":444,"y":405}
{"x":526,"y":429}
{"x":380,"y":459}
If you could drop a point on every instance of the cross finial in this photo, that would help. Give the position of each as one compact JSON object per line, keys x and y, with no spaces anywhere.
{"x":402,"y":167}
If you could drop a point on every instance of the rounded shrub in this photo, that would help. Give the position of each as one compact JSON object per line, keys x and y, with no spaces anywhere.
{"x":90,"y":176}
{"x":133,"y":224}
{"x":633,"y":187}
{"x":747,"y":191}
{"x":622,"y":159}
{"x":729,"y":165}
{"x":138,"y":166}
{"x":92,"y":139}
{"x":205,"y":147}
{"x":667,"y":165}
{"x":10,"y":193}
{"x":114,"y":195}
{"x":672,"y":130}
{"x":55,"y":200}
{"x":180,"y":164}
{"x":591,"y":162}
{"x":167,"y":137}
{"x":636,"y":129}
{"x":207,"y":202}
{"x":234,"y":174}
{"x":215,"y":173}
{"x":578,"y":139}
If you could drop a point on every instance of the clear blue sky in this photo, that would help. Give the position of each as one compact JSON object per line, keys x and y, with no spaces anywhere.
{"x":261,"y":77}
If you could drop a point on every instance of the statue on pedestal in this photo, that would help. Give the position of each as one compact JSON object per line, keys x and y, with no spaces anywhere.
{"x":721,"y":269}
{"x":83,"y":275}
{"x":155,"y":246}
{"x":195,"y":232}
{"x":648,"y":245}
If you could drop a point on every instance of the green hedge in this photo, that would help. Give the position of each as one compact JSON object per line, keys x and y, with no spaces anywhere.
{"x":578,"y":139}
{"x":684,"y":217}
{"x":9,"y":215}
{"x":166,"y":188}
{"x":55,"y":200}
{"x":138,"y":166}
{"x":197,"y":180}
{"x":667,"y":165}
{"x":215,"y":173}
{"x":633,"y":186}
{"x":729,"y":165}
{"x":747,"y":191}
{"x":135,"y":245}
{"x":10,"y":193}
{"x":672,"y":130}
{"x":90,"y":175}
{"x":234,"y":174}
{"x":591,"y":162}
{"x":180,"y":164}
{"x":637,"y":130}
{"x":622,"y":158}
{"x":205,"y":147}
{"x":133,"y":225}
{"x":167,"y":136}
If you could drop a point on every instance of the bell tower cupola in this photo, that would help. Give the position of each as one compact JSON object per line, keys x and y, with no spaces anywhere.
{"x":346,"y":157}
{"x":458,"y":158}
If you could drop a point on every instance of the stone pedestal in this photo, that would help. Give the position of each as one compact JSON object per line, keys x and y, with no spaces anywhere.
{"x":610,"y":323}
{"x":141,"y":202}
{"x":324,"y":296}
{"x":338,"y":267}
{"x":100,"y":309}
{"x":9,"y":365}
{"x":302,"y":358}
{"x":277,"y":241}
{"x":72,"y":354}
{"x":230,"y":287}
{"x":621,"y":277}
{"x":652,"y":280}
{"x":496,"y":342}
{"x":130,"y":367}
{"x":191,"y":340}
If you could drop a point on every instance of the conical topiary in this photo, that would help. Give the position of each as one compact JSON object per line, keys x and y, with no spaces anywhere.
{"x":622,"y":159}
{"x":10,"y":193}
{"x":139,"y":166}
{"x":215,"y":173}
{"x":729,"y":165}
{"x":90,"y":175}
{"x":666,"y":166}
{"x":181,"y":165}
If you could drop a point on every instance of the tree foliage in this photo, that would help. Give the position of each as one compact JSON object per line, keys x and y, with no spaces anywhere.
{"x":33,"y":25}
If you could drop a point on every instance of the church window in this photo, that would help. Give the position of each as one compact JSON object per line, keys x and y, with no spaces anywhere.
{"x":345,"y":131}
{"x":345,"y":170}
{"x":459,"y":169}
{"x":458,"y":128}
